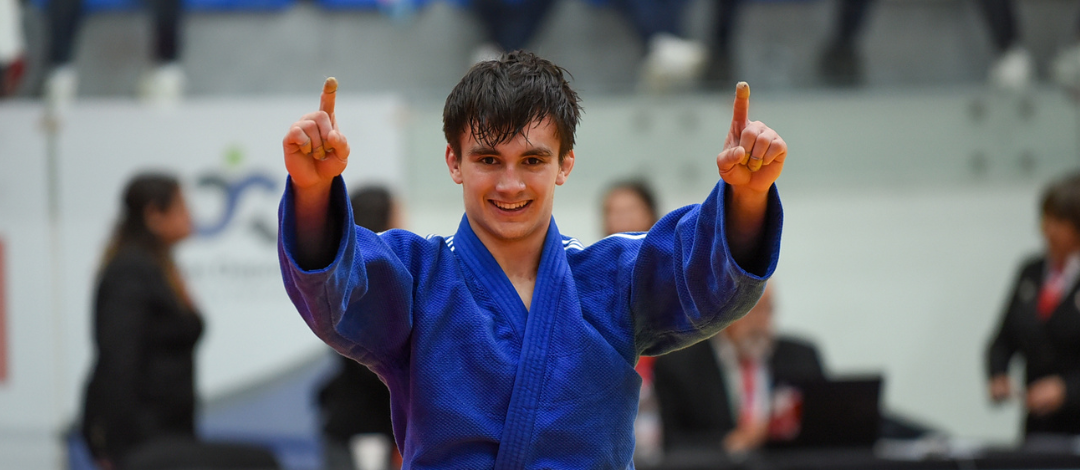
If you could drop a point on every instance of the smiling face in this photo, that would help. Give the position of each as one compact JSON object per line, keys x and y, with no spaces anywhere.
{"x":509,"y":187}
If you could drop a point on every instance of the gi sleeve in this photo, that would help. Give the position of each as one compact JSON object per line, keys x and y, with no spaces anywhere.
{"x":686,"y":286}
{"x":360,"y":303}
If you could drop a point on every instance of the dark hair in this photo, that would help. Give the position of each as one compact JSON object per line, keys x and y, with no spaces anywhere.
{"x":371,"y":208}
{"x":497,"y":99}
{"x":147,"y":190}
{"x":1061,"y":200}
{"x":640,"y":189}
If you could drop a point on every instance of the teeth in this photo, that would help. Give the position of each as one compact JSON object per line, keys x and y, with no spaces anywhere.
{"x":510,"y":207}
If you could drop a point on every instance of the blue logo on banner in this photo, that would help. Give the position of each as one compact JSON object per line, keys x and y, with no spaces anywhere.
{"x":232,"y":191}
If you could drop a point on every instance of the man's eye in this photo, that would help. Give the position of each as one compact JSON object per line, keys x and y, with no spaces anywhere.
{"x":488,"y":160}
{"x":533,"y":161}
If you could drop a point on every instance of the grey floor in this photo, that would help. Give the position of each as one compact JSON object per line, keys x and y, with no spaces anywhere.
{"x":905,"y":43}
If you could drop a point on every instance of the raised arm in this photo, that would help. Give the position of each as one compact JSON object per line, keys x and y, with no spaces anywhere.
{"x":703,"y":266}
{"x":752,"y":159}
{"x":686,"y":284}
{"x":315,"y":153}
{"x":352,"y":287}
{"x":360,"y":302}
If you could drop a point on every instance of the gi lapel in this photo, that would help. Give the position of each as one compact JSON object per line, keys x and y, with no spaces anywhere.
{"x":550,"y":288}
{"x":490,"y":275}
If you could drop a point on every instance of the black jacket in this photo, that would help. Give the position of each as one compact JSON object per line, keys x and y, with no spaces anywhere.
{"x":354,"y":401}
{"x":143,"y":380}
{"x":694,"y":405}
{"x":1050,"y":347}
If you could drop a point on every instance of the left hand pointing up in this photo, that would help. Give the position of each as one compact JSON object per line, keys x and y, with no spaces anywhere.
{"x":753,"y":154}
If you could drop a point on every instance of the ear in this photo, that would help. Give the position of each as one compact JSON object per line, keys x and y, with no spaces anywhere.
{"x":453,"y":163}
{"x":565,"y":167}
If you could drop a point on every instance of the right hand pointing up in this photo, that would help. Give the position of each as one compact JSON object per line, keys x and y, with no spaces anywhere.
{"x":315,"y":151}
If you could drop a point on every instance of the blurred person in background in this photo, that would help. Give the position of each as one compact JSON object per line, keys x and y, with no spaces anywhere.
{"x":355,"y":402}
{"x":630,"y":206}
{"x":162,"y":85}
{"x":728,"y":392}
{"x":1041,"y":322}
{"x":1014,"y":67}
{"x":140,"y":401}
{"x":671,"y":60}
{"x":509,"y":25}
{"x":12,"y":47}
{"x":839,"y":65}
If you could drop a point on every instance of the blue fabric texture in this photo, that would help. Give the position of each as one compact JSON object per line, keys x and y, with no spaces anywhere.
{"x":478,"y":381}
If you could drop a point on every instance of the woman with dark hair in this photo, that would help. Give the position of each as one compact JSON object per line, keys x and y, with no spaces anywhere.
{"x":629,"y":206}
{"x":139,"y":408}
{"x":1042,"y":321}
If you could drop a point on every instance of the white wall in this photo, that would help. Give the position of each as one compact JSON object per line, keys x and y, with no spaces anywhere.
{"x":909,"y":284}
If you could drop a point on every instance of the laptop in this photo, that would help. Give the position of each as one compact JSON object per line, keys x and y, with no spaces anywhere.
{"x":837,"y":413}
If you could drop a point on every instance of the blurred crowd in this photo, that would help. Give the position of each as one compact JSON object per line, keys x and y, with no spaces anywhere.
{"x":671,"y":60}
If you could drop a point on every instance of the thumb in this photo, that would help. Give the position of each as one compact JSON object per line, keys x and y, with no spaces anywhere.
{"x":730,"y":158}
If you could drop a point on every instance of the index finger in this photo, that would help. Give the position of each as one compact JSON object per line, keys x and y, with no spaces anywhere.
{"x":329,"y":93}
{"x":742,"y":106}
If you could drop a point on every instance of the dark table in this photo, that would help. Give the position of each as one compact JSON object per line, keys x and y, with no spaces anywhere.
{"x":865,"y":458}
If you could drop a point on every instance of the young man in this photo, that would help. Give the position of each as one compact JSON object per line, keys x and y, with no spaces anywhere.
{"x":509,"y":345}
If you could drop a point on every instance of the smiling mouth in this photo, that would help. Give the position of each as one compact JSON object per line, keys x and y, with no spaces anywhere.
{"x":516,"y":206}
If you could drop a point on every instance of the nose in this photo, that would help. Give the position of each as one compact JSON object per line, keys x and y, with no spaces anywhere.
{"x":510,"y":180}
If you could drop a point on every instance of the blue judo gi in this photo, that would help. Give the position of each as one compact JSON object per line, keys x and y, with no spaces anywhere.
{"x":476,"y":380}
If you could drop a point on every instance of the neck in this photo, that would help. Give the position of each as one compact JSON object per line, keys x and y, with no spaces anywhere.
{"x":518,"y":258}
{"x":1057,"y":262}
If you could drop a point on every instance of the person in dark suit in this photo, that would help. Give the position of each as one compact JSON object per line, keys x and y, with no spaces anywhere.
{"x":733,"y":391}
{"x":1041,"y":322}
{"x":139,"y":405}
{"x":355,"y":401}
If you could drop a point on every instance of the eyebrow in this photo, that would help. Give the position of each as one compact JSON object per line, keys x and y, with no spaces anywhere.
{"x":533,"y":152}
{"x":483,"y":150}
{"x":538,"y":152}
